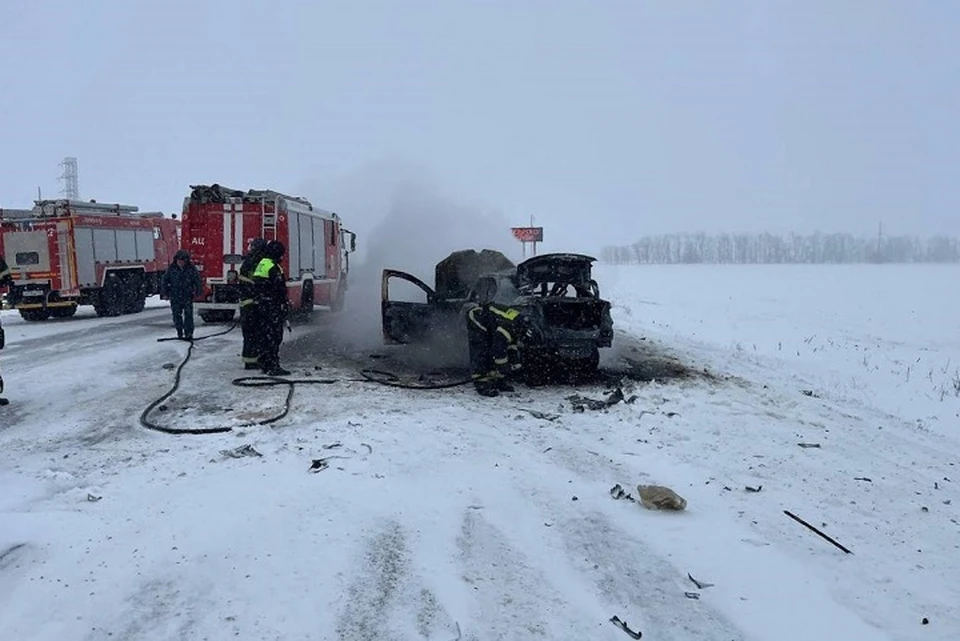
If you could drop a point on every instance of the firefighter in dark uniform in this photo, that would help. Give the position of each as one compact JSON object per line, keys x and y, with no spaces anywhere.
{"x":181,"y":284}
{"x":248,"y":305}
{"x":271,"y":295}
{"x":6,"y":278}
{"x":492,"y":332}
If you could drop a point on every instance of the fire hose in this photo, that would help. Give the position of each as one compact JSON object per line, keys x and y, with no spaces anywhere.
{"x":381,"y":377}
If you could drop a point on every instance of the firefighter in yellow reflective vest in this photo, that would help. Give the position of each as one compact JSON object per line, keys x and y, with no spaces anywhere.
{"x":248,"y":305}
{"x":494,"y":355}
{"x":270,"y":287}
{"x":6,"y":278}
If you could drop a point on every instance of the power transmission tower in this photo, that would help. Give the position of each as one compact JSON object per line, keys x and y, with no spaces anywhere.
{"x":70,"y":180}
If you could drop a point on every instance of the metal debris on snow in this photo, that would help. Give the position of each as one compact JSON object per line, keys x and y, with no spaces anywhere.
{"x":92,"y":498}
{"x":580,"y":403}
{"x":753,"y":489}
{"x":615,"y":620}
{"x":617,"y":492}
{"x":240,"y":452}
{"x":319,"y":464}
{"x":806,"y":445}
{"x":692,"y":595}
{"x":816,"y":531}
{"x":700,"y":584}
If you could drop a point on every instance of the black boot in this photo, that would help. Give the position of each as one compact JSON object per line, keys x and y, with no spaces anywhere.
{"x":504,"y":385}
{"x":486,"y":388}
{"x":4,"y":401}
{"x":277,"y":371}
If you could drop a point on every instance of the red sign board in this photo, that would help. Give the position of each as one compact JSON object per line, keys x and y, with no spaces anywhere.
{"x":528,"y":234}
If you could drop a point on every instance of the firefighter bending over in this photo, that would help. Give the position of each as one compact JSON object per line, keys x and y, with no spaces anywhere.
{"x":249,"y":309}
{"x":271,"y":295}
{"x":494,"y":354}
{"x":181,"y":284}
{"x":6,"y":278}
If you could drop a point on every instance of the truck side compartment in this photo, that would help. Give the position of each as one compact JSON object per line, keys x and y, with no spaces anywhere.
{"x":66,"y":253}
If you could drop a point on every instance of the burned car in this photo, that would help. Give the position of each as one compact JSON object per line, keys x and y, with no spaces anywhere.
{"x":555,"y":294}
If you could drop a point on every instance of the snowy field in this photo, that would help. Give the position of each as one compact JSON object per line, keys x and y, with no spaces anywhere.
{"x":441,"y":515}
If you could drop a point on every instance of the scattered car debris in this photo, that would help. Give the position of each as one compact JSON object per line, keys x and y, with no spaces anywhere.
{"x":240,"y":452}
{"x":672,"y":414}
{"x":543,"y":416}
{"x":807,"y":445}
{"x":753,"y":489}
{"x":810,"y":393}
{"x":92,"y":498}
{"x":700,"y":584}
{"x":318,"y":465}
{"x":617,"y":492}
{"x":615,"y":620}
{"x":815,"y":530}
{"x":692,"y":595}
{"x":332,"y":446}
{"x":369,"y":448}
{"x":168,"y":366}
{"x":863,"y":478}
{"x":659,"y":497}
{"x":580,"y":403}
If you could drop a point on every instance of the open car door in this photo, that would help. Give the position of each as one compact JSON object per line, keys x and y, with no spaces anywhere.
{"x":403,"y":321}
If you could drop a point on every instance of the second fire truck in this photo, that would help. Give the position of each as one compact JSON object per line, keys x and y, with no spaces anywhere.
{"x":65,"y":253}
{"x":219,"y":224}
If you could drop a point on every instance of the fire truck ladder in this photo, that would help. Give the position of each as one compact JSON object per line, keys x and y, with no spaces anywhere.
{"x":269,"y":221}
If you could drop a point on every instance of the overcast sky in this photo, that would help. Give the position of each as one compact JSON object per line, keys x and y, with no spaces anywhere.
{"x":607,"y":120}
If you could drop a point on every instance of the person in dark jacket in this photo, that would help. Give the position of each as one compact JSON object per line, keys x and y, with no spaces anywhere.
{"x":273,"y":307}
{"x":6,"y":278}
{"x":248,"y":305}
{"x":181,"y":284}
{"x":492,"y":340}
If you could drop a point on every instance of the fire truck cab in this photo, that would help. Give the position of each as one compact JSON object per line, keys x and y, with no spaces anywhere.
{"x":220,"y":223}
{"x":65,"y":253}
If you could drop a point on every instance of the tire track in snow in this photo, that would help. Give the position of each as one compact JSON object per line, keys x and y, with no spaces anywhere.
{"x":514,"y":599}
{"x":159,"y":609}
{"x":385,"y":601}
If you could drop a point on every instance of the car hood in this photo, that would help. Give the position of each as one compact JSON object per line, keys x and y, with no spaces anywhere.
{"x":572,"y":268}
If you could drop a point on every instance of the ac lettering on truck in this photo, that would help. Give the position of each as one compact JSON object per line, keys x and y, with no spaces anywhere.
{"x":196,"y":241}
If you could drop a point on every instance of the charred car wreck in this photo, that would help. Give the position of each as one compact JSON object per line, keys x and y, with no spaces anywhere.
{"x":555,"y":293}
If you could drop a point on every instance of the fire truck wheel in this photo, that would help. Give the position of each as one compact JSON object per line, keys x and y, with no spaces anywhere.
{"x":111,"y":300}
{"x":35,"y":314}
{"x":63,"y":312}
{"x":306,"y":300}
{"x":134,"y":299}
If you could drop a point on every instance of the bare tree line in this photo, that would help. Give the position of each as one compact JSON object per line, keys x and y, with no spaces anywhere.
{"x":793,"y":248}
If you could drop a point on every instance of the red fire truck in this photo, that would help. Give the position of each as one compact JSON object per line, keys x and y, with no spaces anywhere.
{"x":66,"y":253}
{"x":219,"y":224}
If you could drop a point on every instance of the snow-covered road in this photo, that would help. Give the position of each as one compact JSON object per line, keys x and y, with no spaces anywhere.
{"x":443,"y":515}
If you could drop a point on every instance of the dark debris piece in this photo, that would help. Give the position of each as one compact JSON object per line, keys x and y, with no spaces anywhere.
{"x":580,"y":403}
{"x":753,"y":489}
{"x":618,"y":493}
{"x":615,"y":620}
{"x":700,"y":584}
{"x":318,"y":465}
